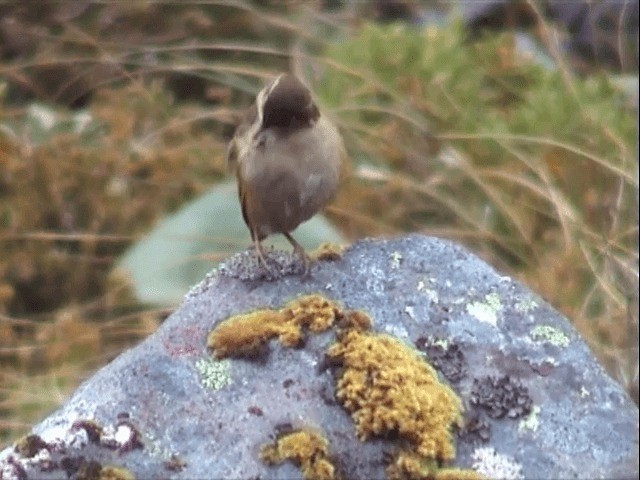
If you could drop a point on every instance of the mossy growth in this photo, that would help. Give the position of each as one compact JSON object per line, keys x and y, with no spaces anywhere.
{"x":389,"y":389}
{"x":307,"y":449}
{"x":243,"y":334}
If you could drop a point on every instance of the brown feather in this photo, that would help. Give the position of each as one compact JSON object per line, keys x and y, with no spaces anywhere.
{"x":242,"y":195}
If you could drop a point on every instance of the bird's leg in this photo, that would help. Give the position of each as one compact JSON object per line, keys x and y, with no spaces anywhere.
{"x":297,"y":248}
{"x":261,"y":255}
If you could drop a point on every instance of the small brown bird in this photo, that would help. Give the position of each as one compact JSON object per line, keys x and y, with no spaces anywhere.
{"x":287,"y":159}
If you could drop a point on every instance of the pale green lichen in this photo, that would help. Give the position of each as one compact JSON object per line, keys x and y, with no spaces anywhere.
{"x":214,"y":374}
{"x":493,"y":300}
{"x":491,"y":464}
{"x":396,"y":258}
{"x":531,"y":421}
{"x":549,"y":334}
{"x":584,"y":393}
{"x":525,"y":305}
{"x":486,"y":311}
{"x":443,"y":343}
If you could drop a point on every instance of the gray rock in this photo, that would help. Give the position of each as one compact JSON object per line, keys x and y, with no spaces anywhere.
{"x":538,"y":405}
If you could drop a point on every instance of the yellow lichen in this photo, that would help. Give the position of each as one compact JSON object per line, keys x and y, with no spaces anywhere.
{"x":244,"y":334}
{"x":385,"y":385}
{"x":307,"y":449}
{"x":91,"y":470}
{"x":355,"y":320}
{"x":457,"y":474}
{"x":410,"y":466}
{"x":329,"y":252}
{"x":115,"y":473}
{"x":388,"y":388}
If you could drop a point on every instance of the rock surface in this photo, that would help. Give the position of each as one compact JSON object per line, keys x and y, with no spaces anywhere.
{"x":538,"y":405}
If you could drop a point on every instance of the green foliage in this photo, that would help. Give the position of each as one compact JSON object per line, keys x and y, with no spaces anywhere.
{"x":491,"y":109}
{"x":475,"y":141}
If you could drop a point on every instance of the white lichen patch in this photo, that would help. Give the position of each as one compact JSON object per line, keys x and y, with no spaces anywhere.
{"x":486,"y":311}
{"x":531,"y":421}
{"x":549,"y":334}
{"x":397,"y":331}
{"x":12,"y":466}
{"x":525,"y":305}
{"x":491,"y":464}
{"x":584,"y":393}
{"x":431,"y":341}
{"x":124,"y":434}
{"x":63,"y":436}
{"x":431,"y":294}
{"x":396,"y":258}
{"x":214,"y":374}
{"x":409,"y":310}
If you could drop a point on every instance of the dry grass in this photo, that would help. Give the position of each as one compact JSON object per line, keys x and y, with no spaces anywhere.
{"x":533,"y":170}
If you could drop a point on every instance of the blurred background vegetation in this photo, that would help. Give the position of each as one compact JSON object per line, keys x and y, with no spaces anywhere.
{"x":508,"y":127}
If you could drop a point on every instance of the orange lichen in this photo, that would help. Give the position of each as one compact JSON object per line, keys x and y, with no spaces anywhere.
{"x":388,"y":388}
{"x":307,"y":449}
{"x":243,"y":334}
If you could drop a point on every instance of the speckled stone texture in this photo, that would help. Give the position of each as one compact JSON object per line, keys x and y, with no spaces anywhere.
{"x":538,"y":405}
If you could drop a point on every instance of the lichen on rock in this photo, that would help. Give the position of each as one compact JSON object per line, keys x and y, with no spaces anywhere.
{"x":410,"y":466}
{"x":307,"y":449}
{"x":244,"y":334}
{"x":385,"y":385}
{"x":389,"y":389}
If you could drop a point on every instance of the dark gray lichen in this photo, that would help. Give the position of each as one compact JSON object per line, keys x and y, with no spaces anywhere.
{"x":501,"y":397}
{"x":446,"y":357}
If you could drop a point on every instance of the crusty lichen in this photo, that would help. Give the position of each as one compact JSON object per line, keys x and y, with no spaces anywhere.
{"x":246,"y":333}
{"x":486,"y":311}
{"x":549,"y":334}
{"x":491,"y":464}
{"x":214,"y":374}
{"x":388,"y":388}
{"x":307,"y":449}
